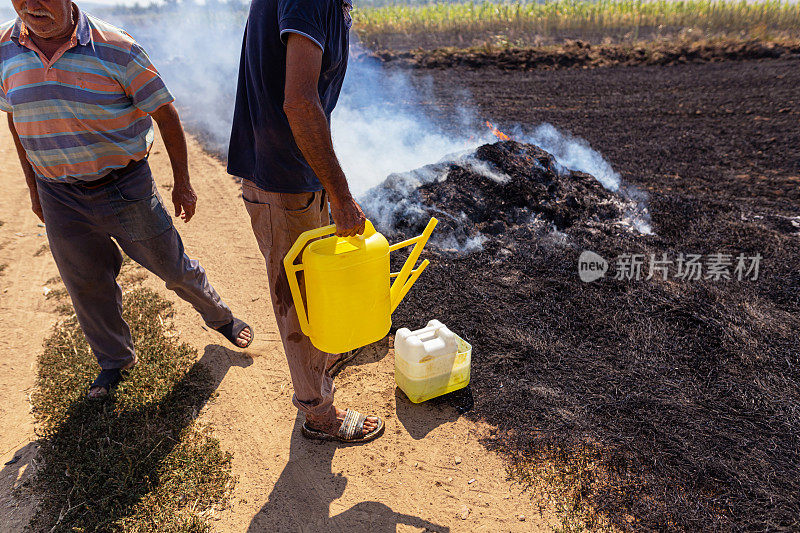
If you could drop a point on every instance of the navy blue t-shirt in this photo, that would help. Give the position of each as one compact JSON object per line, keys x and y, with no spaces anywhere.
{"x":262,"y":147}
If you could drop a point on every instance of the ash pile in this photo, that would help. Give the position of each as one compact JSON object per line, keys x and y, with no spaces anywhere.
{"x":499,"y":195}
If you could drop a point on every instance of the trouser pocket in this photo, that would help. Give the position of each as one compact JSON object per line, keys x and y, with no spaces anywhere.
{"x":138,"y":206}
{"x":303,"y":212}
{"x":259,"y":212}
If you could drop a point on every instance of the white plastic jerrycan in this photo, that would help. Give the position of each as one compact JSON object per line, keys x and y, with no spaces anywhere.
{"x":431,"y":361}
{"x":424,"y":344}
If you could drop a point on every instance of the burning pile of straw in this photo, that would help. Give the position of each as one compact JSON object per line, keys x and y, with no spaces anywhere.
{"x":508,"y":191}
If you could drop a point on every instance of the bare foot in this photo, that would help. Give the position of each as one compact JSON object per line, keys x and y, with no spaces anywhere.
{"x":243,"y":339}
{"x":97,"y":392}
{"x":331,"y":423}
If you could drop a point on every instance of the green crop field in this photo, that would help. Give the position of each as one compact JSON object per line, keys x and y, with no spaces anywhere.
{"x":531,"y":22}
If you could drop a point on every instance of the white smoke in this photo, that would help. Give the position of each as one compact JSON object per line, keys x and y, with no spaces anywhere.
{"x":379,"y":127}
{"x":571,"y":153}
{"x":196,"y":50}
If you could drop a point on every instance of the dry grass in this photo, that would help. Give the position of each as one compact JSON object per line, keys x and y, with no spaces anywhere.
{"x":137,"y":461}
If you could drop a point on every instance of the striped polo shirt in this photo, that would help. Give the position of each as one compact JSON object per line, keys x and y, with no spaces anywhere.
{"x":85,"y":111}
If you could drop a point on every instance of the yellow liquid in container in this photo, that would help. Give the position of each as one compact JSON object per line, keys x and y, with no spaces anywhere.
{"x":435,"y":376}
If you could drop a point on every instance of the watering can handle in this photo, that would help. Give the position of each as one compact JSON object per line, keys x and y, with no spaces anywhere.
{"x":292,"y":269}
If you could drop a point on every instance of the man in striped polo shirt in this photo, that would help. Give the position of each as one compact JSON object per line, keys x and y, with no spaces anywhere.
{"x":80,"y":95}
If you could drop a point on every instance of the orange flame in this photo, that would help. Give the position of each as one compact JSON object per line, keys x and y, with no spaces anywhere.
{"x":497,"y":133}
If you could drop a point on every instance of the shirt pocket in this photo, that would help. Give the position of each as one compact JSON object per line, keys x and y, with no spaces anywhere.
{"x":93,"y":93}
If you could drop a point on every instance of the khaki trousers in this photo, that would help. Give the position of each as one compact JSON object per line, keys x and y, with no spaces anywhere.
{"x":278,"y":219}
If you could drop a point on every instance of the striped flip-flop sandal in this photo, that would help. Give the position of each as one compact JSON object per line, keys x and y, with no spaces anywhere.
{"x":351,"y":431}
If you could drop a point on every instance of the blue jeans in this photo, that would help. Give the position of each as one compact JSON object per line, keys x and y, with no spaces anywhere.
{"x":81,"y":223}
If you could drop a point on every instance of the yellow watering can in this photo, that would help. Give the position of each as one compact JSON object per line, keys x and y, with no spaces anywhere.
{"x":348,"y":297}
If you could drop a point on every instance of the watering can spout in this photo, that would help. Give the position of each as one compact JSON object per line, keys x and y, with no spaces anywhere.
{"x":408,"y":275}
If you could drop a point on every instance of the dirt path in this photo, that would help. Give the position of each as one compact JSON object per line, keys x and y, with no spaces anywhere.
{"x":408,"y":480}
{"x":25,"y":319}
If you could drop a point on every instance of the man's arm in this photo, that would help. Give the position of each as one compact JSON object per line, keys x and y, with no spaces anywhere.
{"x":312,"y":133}
{"x":27,"y":170}
{"x":169,"y":124}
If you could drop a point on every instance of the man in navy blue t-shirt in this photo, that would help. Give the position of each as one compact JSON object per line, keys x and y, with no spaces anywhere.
{"x":294,"y":58}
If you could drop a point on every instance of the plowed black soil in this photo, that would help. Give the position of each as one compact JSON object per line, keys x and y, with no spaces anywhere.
{"x":722,"y":131}
{"x":579,"y":54}
{"x":666,"y":404}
